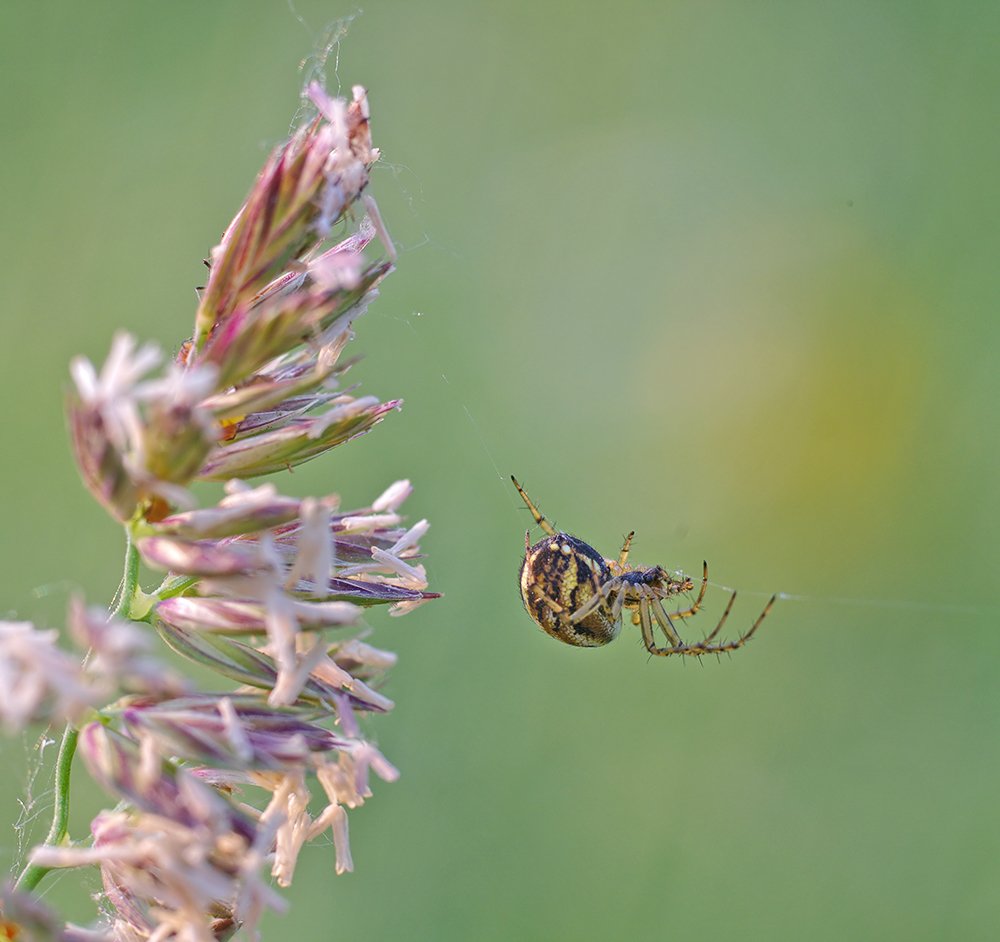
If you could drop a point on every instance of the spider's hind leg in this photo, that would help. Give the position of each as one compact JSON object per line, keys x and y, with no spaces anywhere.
{"x":551,"y":604}
{"x":599,"y":597}
{"x":623,"y":555}
{"x":535,"y":512}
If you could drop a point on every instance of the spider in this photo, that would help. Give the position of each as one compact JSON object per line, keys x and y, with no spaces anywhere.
{"x":576,"y":595}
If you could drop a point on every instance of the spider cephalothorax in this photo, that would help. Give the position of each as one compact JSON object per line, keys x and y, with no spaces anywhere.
{"x":576,"y":595}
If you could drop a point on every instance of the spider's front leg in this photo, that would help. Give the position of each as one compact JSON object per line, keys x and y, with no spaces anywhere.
{"x":650,"y":603}
{"x":693,"y":610}
{"x":698,"y":648}
{"x":663,"y":620}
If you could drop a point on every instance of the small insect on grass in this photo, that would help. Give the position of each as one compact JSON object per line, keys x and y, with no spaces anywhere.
{"x":576,"y":595}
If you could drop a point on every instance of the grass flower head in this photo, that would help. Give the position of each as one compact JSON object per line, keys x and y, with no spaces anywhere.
{"x":215,"y":791}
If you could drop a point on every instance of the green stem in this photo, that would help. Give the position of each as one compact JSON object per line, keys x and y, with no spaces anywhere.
{"x":130,"y":579}
{"x":32,"y":874}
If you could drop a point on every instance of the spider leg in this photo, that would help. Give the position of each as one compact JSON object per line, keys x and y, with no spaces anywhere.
{"x":555,"y":606}
{"x":623,"y":555}
{"x":601,"y":593}
{"x":616,"y":605}
{"x":715,"y":631}
{"x":647,"y":628}
{"x":663,"y":620}
{"x":760,"y":618}
{"x":584,"y":610}
{"x":706,"y":647}
{"x":535,"y":512}
{"x":693,"y":610}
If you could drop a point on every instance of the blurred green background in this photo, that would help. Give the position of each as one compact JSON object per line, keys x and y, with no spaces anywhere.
{"x":723,"y":273}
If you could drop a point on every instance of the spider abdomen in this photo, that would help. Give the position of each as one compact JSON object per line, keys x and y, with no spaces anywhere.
{"x":559,"y":575}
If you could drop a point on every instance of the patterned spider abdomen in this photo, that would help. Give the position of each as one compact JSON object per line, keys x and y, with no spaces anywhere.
{"x":559,"y":575}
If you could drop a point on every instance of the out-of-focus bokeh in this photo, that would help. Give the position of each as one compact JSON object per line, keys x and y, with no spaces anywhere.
{"x":726,"y":274}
